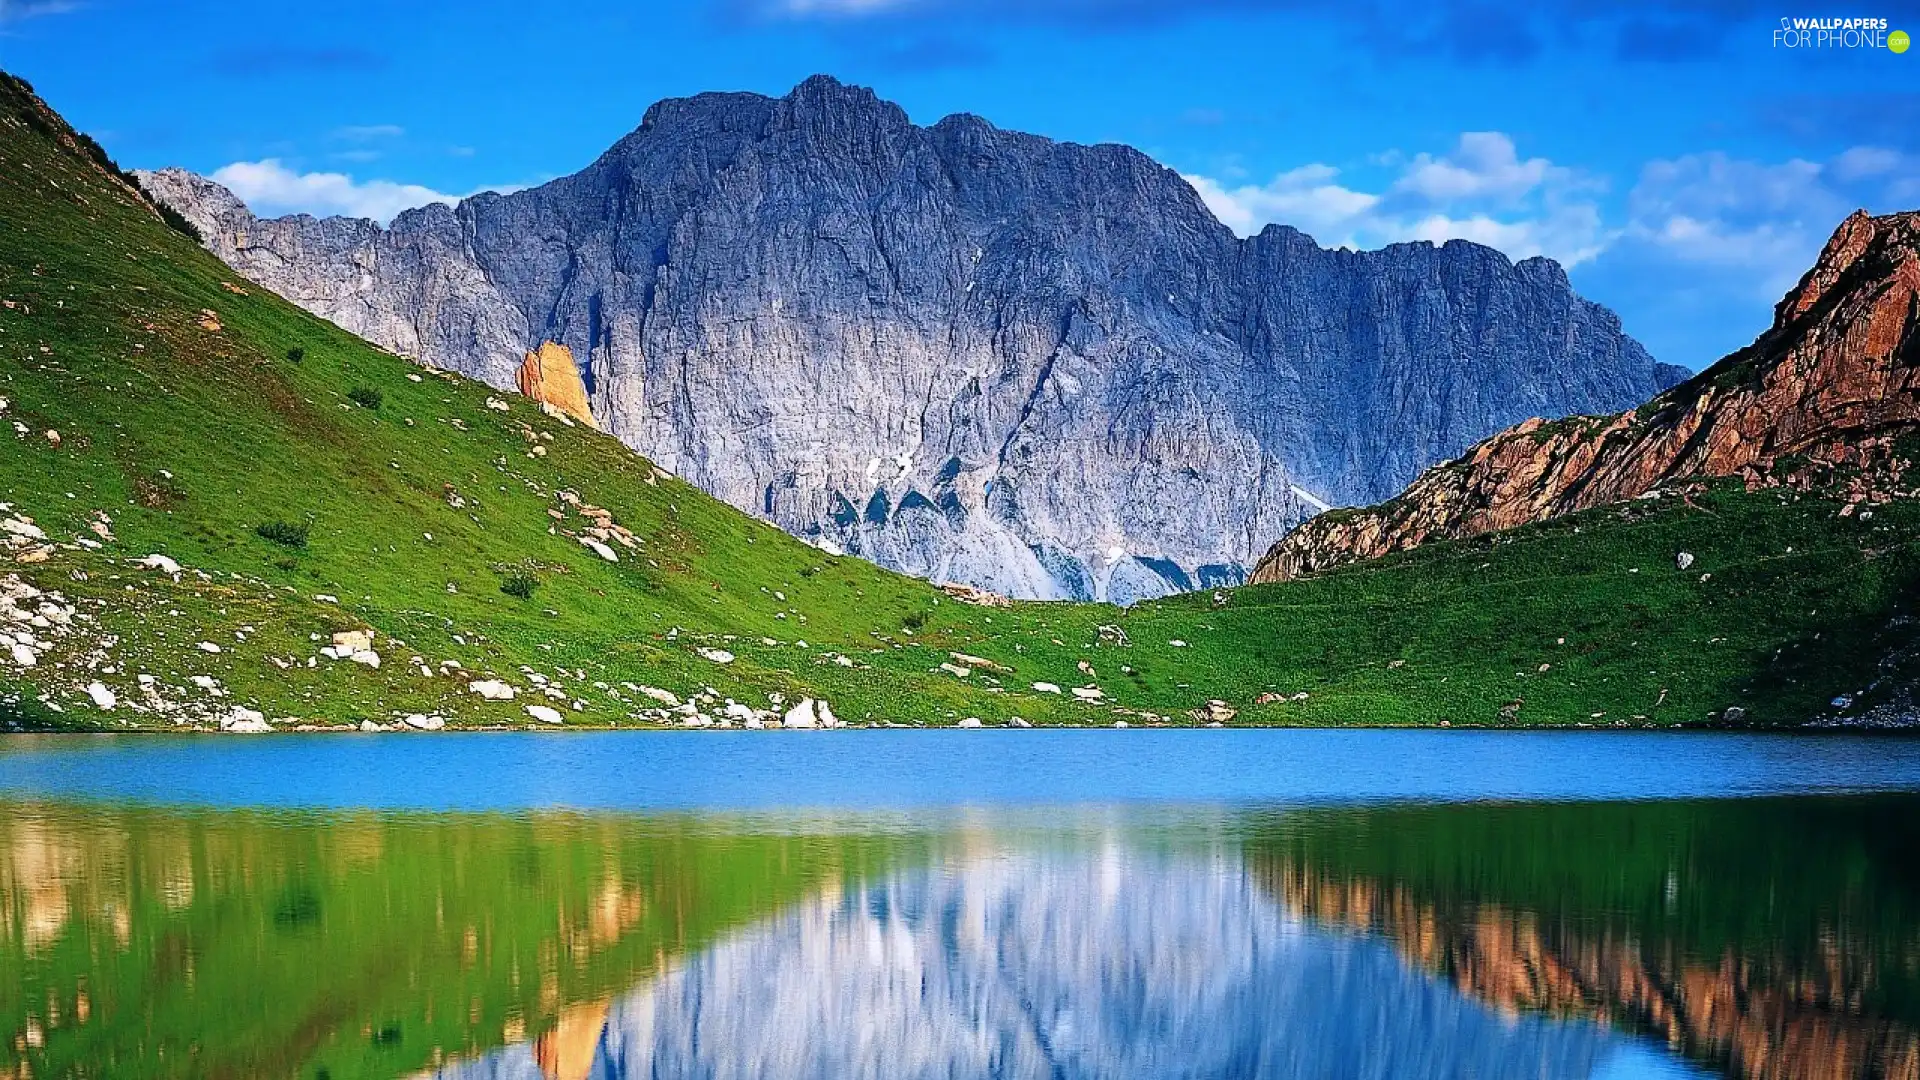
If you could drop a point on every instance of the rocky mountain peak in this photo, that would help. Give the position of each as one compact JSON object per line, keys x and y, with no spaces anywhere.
{"x":972,"y":354}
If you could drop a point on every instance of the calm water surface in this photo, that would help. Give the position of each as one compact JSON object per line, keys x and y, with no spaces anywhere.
{"x":960,"y":904}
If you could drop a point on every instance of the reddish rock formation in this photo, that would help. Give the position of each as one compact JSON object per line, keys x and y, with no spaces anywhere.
{"x":550,"y":377}
{"x":1833,"y":382}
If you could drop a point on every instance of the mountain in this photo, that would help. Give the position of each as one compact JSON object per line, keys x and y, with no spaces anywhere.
{"x":1832,"y":390}
{"x":965,"y":353}
{"x":220,"y":512}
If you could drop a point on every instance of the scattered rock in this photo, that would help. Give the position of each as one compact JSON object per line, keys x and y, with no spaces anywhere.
{"x":969,"y":722}
{"x":545,"y":714}
{"x":423,"y":722}
{"x":801,"y":716}
{"x":208,"y":647}
{"x":103,"y":698}
{"x":492,"y":689}
{"x":367,"y":657}
{"x":1088,"y":693}
{"x":956,"y":670}
{"x":348,"y":642}
{"x":1683,"y":560}
{"x":1047,"y":687}
{"x":664,"y":697}
{"x":1019,"y":722}
{"x":241,"y":721}
{"x":718,"y":656}
{"x":1218,"y":711}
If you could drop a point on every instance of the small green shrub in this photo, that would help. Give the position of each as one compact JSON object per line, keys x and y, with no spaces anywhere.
{"x":284,"y":533}
{"x":520,"y":586}
{"x":364,"y":396}
{"x":914,"y":620}
{"x":296,"y":354}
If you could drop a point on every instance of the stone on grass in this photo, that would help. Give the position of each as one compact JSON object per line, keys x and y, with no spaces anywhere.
{"x":492,"y":689}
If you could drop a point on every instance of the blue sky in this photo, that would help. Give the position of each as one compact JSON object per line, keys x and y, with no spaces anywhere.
{"x":1680,"y":161}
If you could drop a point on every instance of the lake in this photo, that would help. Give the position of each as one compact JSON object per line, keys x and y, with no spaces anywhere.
{"x":960,"y":904}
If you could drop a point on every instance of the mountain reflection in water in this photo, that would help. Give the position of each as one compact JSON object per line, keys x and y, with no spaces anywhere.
{"x":1089,"y":964}
{"x":1753,"y":938}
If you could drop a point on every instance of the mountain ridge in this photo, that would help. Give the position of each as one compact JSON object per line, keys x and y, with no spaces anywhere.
{"x":1828,"y":389}
{"x":965,"y":353}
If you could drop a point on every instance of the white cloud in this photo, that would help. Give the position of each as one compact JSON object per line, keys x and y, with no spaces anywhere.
{"x":1865,"y":161}
{"x":1758,"y":223}
{"x":1306,"y":198}
{"x":1570,"y":234}
{"x":363,"y":132}
{"x":1481,"y":191}
{"x":1483,"y":165}
{"x":270,"y":188}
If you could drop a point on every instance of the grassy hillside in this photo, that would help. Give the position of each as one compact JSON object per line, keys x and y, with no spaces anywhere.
{"x":307,"y":483}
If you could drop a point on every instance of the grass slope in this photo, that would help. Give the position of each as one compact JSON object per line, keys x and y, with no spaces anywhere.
{"x":412,"y":500}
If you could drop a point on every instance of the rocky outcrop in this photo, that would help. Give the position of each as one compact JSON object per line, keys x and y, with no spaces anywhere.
{"x":1831,"y":385}
{"x":1038,"y":368}
{"x":550,"y":377}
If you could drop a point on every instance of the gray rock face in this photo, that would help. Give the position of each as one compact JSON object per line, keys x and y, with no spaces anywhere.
{"x":966,"y":353}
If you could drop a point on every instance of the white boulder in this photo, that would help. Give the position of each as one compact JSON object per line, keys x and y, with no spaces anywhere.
{"x":244,"y":722}
{"x":801,"y":716}
{"x":492,"y":689}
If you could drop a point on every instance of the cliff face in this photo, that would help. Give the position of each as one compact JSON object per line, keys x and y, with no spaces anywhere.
{"x":966,"y":353}
{"x":1833,"y":383}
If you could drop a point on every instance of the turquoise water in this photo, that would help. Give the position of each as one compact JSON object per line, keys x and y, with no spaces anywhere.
{"x":960,"y":904}
{"x":891,"y":769}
